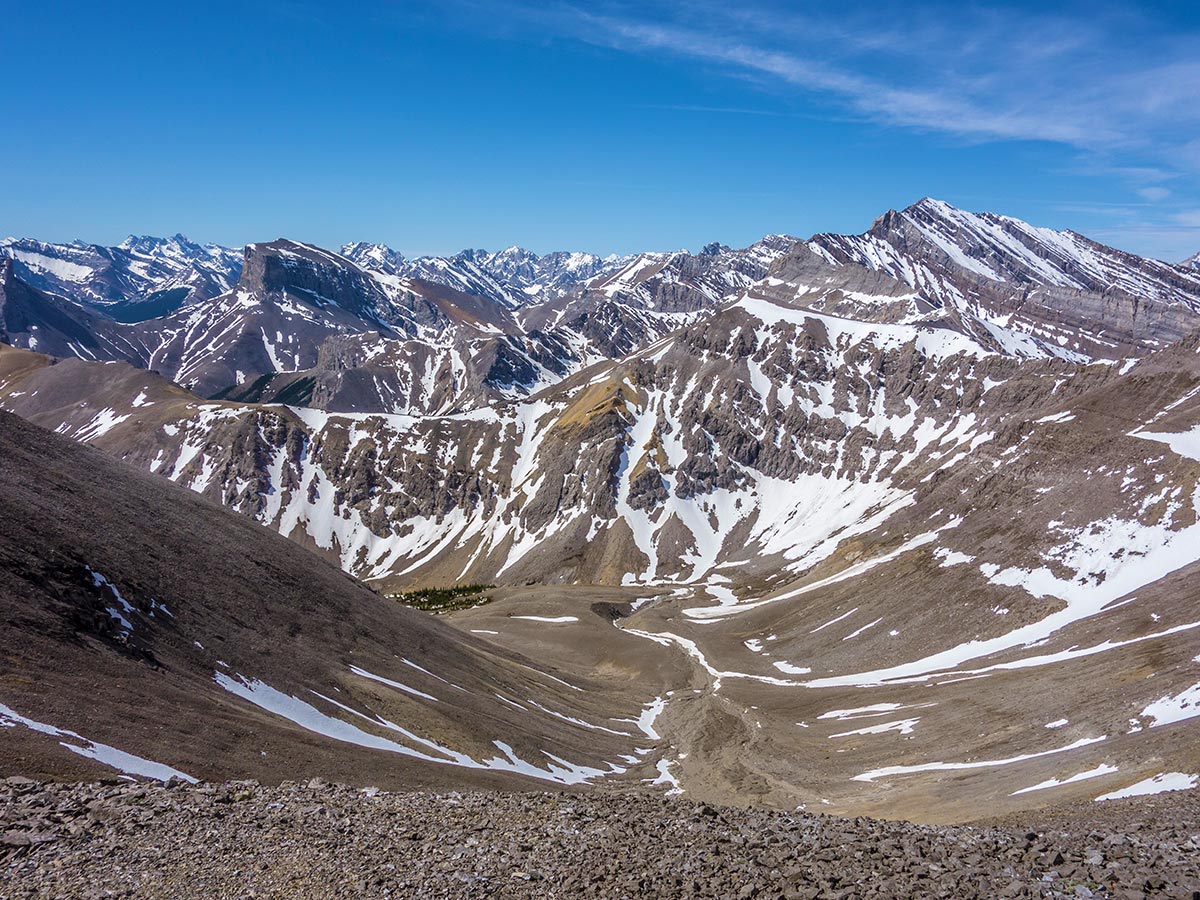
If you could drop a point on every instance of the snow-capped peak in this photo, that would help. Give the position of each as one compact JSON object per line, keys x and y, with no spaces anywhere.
{"x":374,"y":256}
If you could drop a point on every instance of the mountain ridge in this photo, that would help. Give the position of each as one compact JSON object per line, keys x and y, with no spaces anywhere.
{"x":942,"y":476}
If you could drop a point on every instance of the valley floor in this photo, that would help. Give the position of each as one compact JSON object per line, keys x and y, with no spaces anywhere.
{"x":318,"y":840}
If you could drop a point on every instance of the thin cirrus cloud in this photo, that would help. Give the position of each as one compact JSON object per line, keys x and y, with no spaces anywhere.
{"x":898,"y":105}
{"x":1188,"y":218}
{"x":1154,"y":193}
{"x":1115,"y":83}
{"x":993,"y":75}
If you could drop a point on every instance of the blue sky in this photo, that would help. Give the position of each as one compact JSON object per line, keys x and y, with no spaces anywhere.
{"x":604,"y":126}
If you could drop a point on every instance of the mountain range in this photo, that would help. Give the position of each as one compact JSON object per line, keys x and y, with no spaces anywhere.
{"x":894,"y":523}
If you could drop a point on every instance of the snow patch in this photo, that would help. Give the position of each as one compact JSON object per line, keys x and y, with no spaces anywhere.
{"x":102,"y":753}
{"x":889,"y":771}
{"x":1174,"y":708}
{"x":1102,"y":769}
{"x":1155,"y":784}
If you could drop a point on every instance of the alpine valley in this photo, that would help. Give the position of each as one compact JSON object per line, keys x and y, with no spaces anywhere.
{"x":902,"y":524}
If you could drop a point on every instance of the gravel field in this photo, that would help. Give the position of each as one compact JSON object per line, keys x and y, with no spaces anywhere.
{"x":320,"y":840}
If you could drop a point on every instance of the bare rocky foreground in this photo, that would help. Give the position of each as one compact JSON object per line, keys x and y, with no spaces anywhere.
{"x":240,"y":839}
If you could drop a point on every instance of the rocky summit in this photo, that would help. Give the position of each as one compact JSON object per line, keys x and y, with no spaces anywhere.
{"x":862,"y":565}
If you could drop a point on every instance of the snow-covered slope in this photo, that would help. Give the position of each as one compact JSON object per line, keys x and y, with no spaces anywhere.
{"x":40,"y":321}
{"x":704,"y":449}
{"x":1034,"y":290}
{"x":141,"y":278}
{"x":652,"y":294}
{"x":513,"y":277}
{"x":314,"y":328}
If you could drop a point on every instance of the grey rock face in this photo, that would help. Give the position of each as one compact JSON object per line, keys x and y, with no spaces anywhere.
{"x":1057,"y":291}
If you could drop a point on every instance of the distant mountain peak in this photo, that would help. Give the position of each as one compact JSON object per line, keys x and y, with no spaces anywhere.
{"x":373,"y":255}
{"x":931,"y":203}
{"x":1032,"y":290}
{"x":150,"y":242}
{"x":513,"y":277}
{"x":142,"y":277}
{"x":284,"y":263}
{"x":514,"y":250}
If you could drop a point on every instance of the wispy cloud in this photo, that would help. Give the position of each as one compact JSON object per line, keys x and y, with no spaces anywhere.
{"x":1111,"y":81}
{"x":1154,"y":194}
{"x":1189,"y":218}
{"x":995,"y":76}
{"x":939,"y":109}
{"x":1115,"y":81}
{"x":1167,"y":242}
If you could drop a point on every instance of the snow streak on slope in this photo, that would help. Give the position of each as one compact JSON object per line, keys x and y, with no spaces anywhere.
{"x":102,"y":753}
{"x":1111,"y":559}
{"x":1032,"y":292}
{"x":308,"y":717}
{"x":1004,"y":249}
{"x":893,"y":771}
